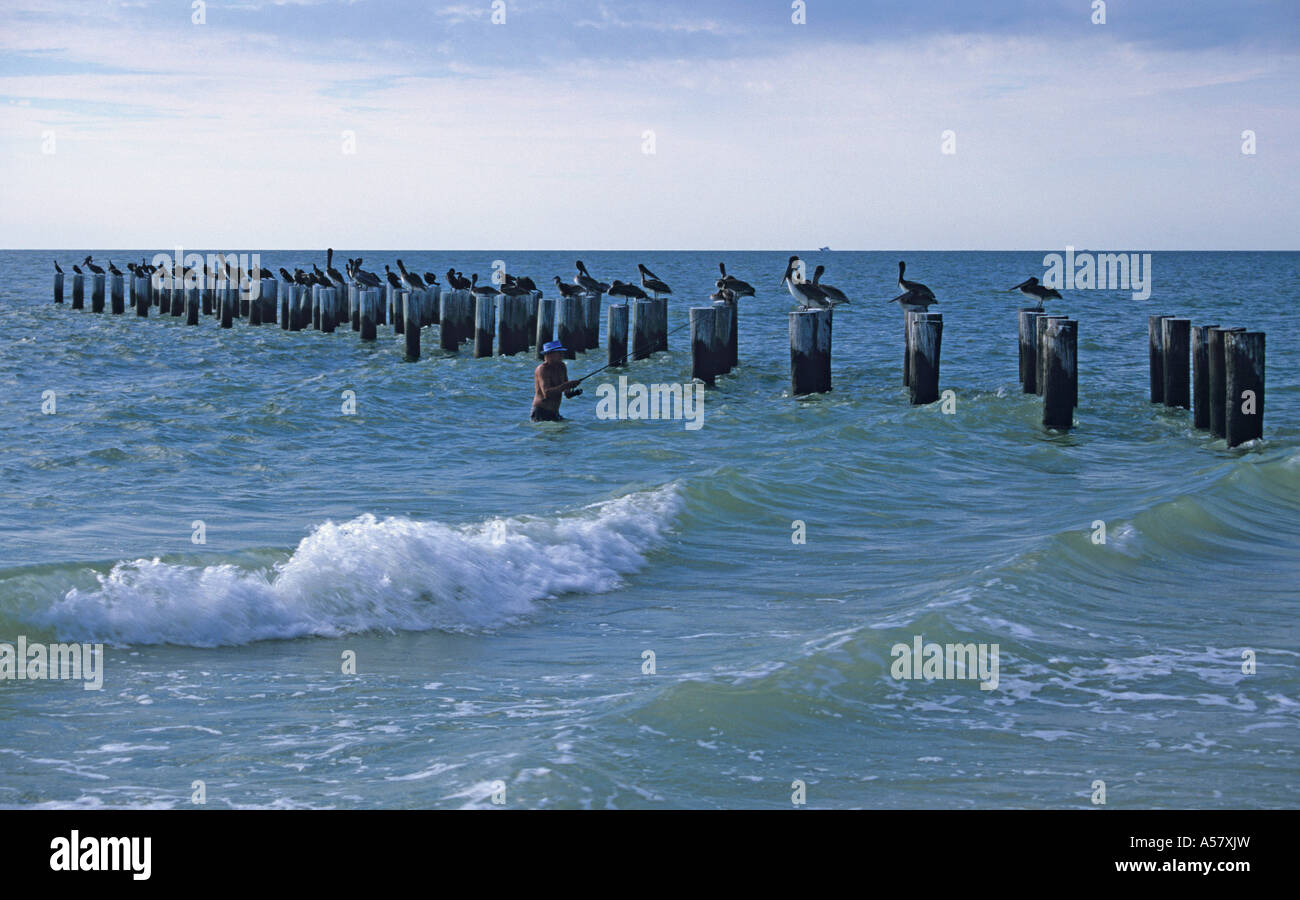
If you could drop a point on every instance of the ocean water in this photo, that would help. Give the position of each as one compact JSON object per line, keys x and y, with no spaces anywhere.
{"x":499,"y":581}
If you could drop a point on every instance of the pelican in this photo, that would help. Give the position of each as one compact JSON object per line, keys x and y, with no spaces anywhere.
{"x":631,"y":291}
{"x":112,"y":269}
{"x":723,"y":292}
{"x":567,"y":290}
{"x":525,"y":282}
{"x":834,"y":295}
{"x":807,"y":293}
{"x":1031,"y":288}
{"x":586,"y":282}
{"x":332,"y":272}
{"x":97,"y":270}
{"x":77,"y":269}
{"x":924,"y":296}
{"x":479,"y":290}
{"x":430,"y":279}
{"x":392,"y":277}
{"x":284,"y":273}
{"x":735,"y":285}
{"x":651,"y":282}
{"x":56,"y":267}
{"x":412,"y":279}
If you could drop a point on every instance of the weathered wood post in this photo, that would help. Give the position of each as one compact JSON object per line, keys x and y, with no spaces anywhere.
{"x":1244,"y":407}
{"x":733,"y":339}
{"x":533,"y":298}
{"x":270,"y":300}
{"x":354,"y":306}
{"x":926,"y":342}
{"x":1218,"y":378}
{"x":1060,"y":373}
{"x":327,"y":310}
{"x":178,"y":297}
{"x":411,"y":318}
{"x":1156,"y":356}
{"x":193,"y":305}
{"x":299,"y":298}
{"x":617,"y":337}
{"x":810,"y":351}
{"x":641,"y":329}
{"x":1029,"y":349}
{"x":1201,"y":376}
{"x":315,"y":306}
{"x":1175,"y":341}
{"x":163,"y":293}
{"x":58,"y":287}
{"x":78,"y":291}
{"x":591,"y":317}
{"x":97,"y":293}
{"x":723,"y":312}
{"x":116,"y":295}
{"x":287,"y":294}
{"x":245,"y":287}
{"x":209,"y":298}
{"x":512,"y":325}
{"x":704,"y":320}
{"x":141,"y":297}
{"x":545,"y":323}
{"x":1040,"y":361}
{"x":369,"y":314}
{"x":568,"y":324}
{"x":484,"y":320}
{"x":907,"y":347}
{"x":229,"y":303}
{"x":661,"y":324}
{"x":396,"y":299}
{"x":448,"y":339}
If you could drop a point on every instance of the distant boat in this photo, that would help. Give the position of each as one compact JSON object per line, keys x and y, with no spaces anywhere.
{"x":824,"y":249}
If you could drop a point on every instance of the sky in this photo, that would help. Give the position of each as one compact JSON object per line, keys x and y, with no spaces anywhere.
{"x":594,"y":124}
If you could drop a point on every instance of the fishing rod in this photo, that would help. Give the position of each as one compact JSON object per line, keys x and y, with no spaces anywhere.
{"x":625,"y":356}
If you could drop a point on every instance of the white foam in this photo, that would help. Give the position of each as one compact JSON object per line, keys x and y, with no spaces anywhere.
{"x":371,"y":574}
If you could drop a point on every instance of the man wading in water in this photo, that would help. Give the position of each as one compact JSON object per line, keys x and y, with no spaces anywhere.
{"x":553,"y":384}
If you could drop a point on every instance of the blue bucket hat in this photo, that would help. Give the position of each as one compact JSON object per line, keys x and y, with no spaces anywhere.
{"x":553,"y":347}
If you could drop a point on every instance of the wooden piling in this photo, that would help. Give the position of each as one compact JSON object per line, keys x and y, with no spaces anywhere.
{"x":661,"y":324}
{"x":1218,"y":379}
{"x":97,"y":293}
{"x":907,"y":347}
{"x":315,"y":306}
{"x":178,"y":299}
{"x":78,"y":291}
{"x":617,"y":334}
{"x":1156,"y":357}
{"x":484,"y":321}
{"x":369,"y":314}
{"x":1175,"y":342}
{"x":533,"y":298}
{"x":641,"y":328}
{"x":229,"y":303}
{"x":209,"y":300}
{"x":270,"y":300}
{"x":327,"y":310}
{"x":810,"y":351}
{"x":58,"y":287}
{"x":141,"y":297}
{"x":545,"y":322}
{"x":1060,"y":373}
{"x":1201,"y":376}
{"x":1040,"y":361}
{"x":354,"y":306}
{"x":733,"y":339}
{"x":193,"y":305}
{"x":1029,"y":349}
{"x":411,"y":318}
{"x":512,"y":325}
{"x":925,"y":332}
{"x":591,"y":319}
{"x":722,"y":335}
{"x":116,"y":295}
{"x":1244,"y":403}
{"x":703,"y":323}
{"x":569,"y":324}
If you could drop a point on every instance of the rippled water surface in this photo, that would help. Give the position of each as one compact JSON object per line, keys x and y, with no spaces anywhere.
{"x":500,"y":581}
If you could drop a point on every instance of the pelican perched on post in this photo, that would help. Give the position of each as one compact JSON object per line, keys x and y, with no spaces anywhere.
{"x":834,"y":295}
{"x":584,"y":280}
{"x":735,"y":285}
{"x":723,"y":292}
{"x":808,"y":294}
{"x":567,"y":290}
{"x":630,"y":291}
{"x":96,"y":270}
{"x":915,"y":295}
{"x":414,"y":280}
{"x":481,"y":289}
{"x":652,"y":283}
{"x":1031,"y":288}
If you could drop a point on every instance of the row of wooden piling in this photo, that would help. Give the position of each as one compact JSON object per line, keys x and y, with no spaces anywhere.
{"x":1049,"y":364}
{"x":1225,"y":389}
{"x":714,"y":349}
{"x":497,"y":324}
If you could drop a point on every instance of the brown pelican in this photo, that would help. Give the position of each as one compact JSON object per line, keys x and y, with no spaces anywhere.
{"x":652,"y":283}
{"x":481,"y":289}
{"x":807,"y":293}
{"x":922,"y":294}
{"x":56,"y":267}
{"x":735,"y":285}
{"x":411,"y":278}
{"x":567,"y":290}
{"x":834,"y":295}
{"x":1031,"y":288}
{"x":586,"y":282}
{"x":631,"y":291}
{"x":96,"y":270}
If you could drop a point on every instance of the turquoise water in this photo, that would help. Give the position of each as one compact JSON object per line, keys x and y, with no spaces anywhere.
{"x":499,"y":581}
